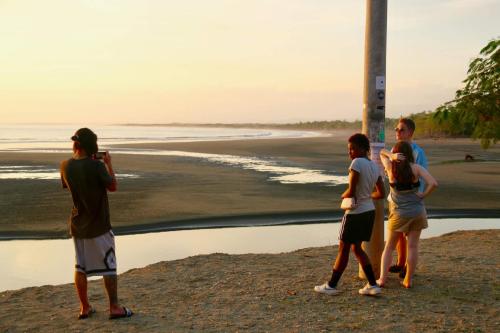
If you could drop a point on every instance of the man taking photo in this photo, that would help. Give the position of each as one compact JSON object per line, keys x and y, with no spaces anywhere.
{"x":88,"y":179}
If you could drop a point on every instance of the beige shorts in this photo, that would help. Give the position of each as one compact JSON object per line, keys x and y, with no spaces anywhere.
{"x":96,"y":256}
{"x":406,"y":224}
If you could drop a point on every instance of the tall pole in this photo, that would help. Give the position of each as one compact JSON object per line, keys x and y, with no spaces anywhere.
{"x":374,"y":111}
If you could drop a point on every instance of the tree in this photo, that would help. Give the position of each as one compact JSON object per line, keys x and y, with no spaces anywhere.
{"x":475,"y":111}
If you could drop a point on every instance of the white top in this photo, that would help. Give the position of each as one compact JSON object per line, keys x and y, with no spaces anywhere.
{"x":368,"y":175}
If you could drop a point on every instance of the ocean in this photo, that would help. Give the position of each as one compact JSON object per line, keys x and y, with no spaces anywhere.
{"x":56,"y":139}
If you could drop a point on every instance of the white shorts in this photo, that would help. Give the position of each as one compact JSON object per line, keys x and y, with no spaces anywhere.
{"x":96,"y":256}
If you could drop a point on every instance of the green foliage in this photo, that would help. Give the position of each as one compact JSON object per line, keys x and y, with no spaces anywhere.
{"x":425,"y":125}
{"x":322,"y":125}
{"x":475,"y":111}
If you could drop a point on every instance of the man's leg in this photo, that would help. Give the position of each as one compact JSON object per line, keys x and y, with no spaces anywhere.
{"x":81,"y":289}
{"x":402,"y":250}
{"x":111,"y":284}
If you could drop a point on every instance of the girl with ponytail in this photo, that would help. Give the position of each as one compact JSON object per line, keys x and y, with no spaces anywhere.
{"x":407,"y":214}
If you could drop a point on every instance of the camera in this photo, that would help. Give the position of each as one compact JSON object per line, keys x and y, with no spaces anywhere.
{"x":99,"y":155}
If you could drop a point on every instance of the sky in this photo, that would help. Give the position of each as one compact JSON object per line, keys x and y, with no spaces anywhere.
{"x":229,"y":61}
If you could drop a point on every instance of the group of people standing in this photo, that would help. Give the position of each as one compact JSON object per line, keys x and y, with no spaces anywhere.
{"x":89,"y":176}
{"x":410,"y":182}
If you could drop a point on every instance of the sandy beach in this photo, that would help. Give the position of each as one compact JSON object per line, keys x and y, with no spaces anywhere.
{"x":173,"y":189}
{"x":204,"y":152}
{"x":456,"y":290}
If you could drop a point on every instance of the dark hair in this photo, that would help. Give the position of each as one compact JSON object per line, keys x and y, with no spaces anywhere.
{"x":401,"y":170}
{"x":86,"y":139}
{"x":409,"y":123}
{"x":361,"y":141}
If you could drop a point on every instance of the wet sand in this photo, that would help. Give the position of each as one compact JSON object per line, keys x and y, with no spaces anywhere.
{"x":456,"y":289}
{"x":175,"y":190}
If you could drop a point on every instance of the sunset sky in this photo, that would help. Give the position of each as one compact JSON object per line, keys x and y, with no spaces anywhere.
{"x":123,"y":61}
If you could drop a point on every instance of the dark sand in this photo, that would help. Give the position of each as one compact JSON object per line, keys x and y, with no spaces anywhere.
{"x":456,"y":286}
{"x":456,"y":289}
{"x":173,"y":189}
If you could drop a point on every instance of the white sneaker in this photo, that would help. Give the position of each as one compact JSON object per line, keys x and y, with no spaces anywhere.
{"x":370,"y":290}
{"x":326,"y":289}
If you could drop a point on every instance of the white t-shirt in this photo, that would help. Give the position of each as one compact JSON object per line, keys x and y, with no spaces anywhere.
{"x":368,"y":175}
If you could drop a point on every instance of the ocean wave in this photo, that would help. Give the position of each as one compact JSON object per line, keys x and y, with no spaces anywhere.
{"x":278,"y":172}
{"x":21,"y":137}
{"x":41,"y":173}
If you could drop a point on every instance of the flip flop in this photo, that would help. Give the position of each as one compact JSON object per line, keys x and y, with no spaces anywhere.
{"x":86,"y":315}
{"x":126,"y":314}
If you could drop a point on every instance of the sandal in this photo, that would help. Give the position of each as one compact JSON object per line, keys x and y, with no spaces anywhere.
{"x":126,"y":314}
{"x":86,"y":315}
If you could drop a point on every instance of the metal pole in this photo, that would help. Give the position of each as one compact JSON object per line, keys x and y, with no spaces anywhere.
{"x":374,"y":111}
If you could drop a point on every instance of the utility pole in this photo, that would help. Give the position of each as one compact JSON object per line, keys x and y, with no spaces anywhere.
{"x":374,"y":111}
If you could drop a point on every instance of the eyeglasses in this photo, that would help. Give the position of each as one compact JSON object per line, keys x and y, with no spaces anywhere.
{"x":399,"y":129}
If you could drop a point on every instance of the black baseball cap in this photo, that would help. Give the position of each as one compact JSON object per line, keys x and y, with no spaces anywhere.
{"x":87,"y":140}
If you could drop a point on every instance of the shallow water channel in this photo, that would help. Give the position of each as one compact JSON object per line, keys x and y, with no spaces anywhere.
{"x":27,"y":263}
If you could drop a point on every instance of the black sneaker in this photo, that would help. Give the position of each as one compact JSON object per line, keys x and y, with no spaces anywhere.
{"x":395,"y":269}
{"x":402,"y":274}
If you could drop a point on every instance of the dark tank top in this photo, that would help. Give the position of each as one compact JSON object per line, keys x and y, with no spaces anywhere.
{"x":405,"y":187}
{"x":404,"y":200}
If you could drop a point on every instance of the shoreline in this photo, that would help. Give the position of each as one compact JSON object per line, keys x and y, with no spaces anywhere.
{"x":249,"y":220}
{"x":172,"y":190}
{"x":60,"y":144}
{"x":455,"y":289}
